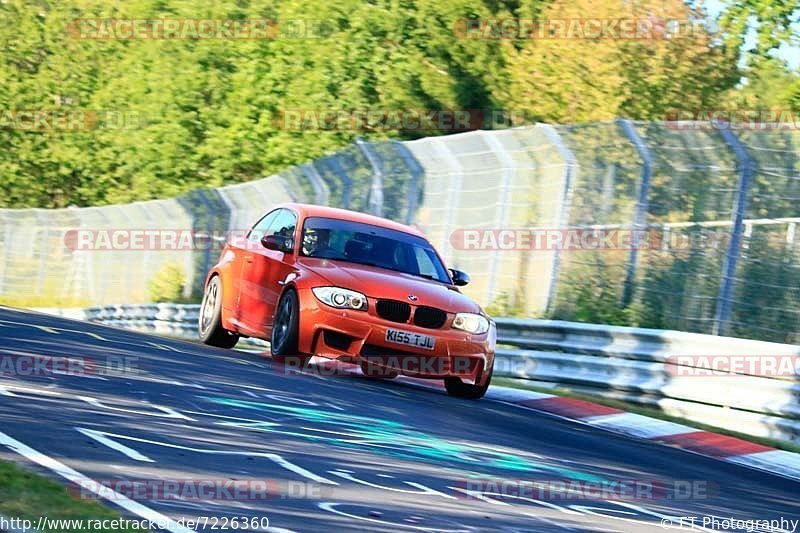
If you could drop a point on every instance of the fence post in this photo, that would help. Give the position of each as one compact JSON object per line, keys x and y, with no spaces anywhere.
{"x":414,"y":185}
{"x":503,"y":212}
{"x":321,"y":192}
{"x":456,"y":175}
{"x":745,"y":164}
{"x":571,"y":168}
{"x":347,"y":183}
{"x":376,"y":190}
{"x":642,"y":204}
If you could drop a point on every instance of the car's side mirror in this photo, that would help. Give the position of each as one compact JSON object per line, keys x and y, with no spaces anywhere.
{"x":278,"y":243}
{"x":459,"y":278}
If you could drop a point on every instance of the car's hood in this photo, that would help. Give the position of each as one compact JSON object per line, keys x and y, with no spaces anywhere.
{"x":382,"y":283}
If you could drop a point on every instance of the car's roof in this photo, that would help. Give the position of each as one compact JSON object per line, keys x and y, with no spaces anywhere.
{"x":311,"y":210}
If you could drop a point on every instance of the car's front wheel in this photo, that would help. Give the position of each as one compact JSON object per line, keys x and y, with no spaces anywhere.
{"x":209,"y":323}
{"x":459,"y":389}
{"x":285,"y":331}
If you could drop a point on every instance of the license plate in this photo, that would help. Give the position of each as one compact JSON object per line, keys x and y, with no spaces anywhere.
{"x":410,"y":339}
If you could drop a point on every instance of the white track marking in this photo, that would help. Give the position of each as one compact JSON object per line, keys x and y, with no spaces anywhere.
{"x":100,"y":437}
{"x":275,"y":458}
{"x":331,"y":508}
{"x":422,"y":488}
{"x":167,"y":412}
{"x":34,"y":391}
{"x":54,"y":330}
{"x":87,"y":483}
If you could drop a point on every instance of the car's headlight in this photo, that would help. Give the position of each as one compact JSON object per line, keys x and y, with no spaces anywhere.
{"x":472,"y":323}
{"x":341,"y":298}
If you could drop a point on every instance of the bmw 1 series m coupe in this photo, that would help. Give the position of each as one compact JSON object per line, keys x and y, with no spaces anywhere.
{"x":338,"y":284}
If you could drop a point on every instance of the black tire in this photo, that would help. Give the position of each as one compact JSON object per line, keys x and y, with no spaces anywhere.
{"x":209,"y":323}
{"x":459,"y":389}
{"x":285,"y":331}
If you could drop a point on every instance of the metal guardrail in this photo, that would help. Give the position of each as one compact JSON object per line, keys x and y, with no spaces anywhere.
{"x":673,"y":370}
{"x":668,"y":369}
{"x":168,"y":319}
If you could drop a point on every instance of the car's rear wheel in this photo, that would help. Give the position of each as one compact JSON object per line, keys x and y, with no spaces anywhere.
{"x":285,"y":331}
{"x":209,"y":323}
{"x":459,"y":389}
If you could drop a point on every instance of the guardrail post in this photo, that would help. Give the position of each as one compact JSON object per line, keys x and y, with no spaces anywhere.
{"x":417,"y":172}
{"x":347,"y":183}
{"x":321,"y":191}
{"x":571,"y":168}
{"x":376,"y":190}
{"x":745,"y":164}
{"x":642,"y":204}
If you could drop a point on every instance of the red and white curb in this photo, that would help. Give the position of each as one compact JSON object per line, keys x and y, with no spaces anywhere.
{"x":723,"y":447}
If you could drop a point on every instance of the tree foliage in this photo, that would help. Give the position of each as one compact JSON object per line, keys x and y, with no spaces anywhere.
{"x":174,"y":115}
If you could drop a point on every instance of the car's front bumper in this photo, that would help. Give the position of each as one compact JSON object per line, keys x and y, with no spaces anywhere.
{"x":360,"y":336}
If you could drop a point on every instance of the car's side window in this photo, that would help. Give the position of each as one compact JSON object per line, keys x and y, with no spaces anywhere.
{"x":260,"y":228}
{"x":283,"y":224}
{"x":424,"y":262}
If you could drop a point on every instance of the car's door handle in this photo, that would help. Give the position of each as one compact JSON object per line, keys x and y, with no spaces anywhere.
{"x":248,"y":259}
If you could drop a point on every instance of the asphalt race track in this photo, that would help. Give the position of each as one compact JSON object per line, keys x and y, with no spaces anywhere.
{"x":335,"y":453}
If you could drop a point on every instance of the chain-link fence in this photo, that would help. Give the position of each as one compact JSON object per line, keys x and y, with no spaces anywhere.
{"x":719,"y":209}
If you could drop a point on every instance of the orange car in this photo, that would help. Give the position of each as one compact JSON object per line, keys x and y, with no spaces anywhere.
{"x":344,"y":285}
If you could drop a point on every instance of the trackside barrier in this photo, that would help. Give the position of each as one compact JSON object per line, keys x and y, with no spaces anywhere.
{"x":720,"y":204}
{"x":171,"y":320}
{"x":660,"y":368}
{"x":645,"y":366}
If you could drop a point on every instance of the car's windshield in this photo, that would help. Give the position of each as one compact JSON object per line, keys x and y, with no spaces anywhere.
{"x":365,"y":244}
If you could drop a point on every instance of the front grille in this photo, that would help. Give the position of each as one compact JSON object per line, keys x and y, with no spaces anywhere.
{"x":429,"y":317}
{"x":393,"y":310}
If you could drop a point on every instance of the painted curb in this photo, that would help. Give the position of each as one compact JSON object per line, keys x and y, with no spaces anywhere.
{"x":722,"y":447}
